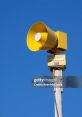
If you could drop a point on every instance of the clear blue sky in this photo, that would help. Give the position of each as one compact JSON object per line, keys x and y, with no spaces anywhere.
{"x":18,"y":65}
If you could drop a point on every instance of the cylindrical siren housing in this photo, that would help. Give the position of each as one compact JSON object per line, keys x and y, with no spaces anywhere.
{"x":40,"y":37}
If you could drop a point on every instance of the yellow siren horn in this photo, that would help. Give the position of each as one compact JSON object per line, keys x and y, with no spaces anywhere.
{"x":40,"y":37}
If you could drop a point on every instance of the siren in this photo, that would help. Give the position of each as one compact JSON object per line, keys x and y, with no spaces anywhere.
{"x":41,"y":37}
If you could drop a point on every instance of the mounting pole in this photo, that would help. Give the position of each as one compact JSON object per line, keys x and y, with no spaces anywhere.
{"x":58,"y":93}
{"x":56,"y":64}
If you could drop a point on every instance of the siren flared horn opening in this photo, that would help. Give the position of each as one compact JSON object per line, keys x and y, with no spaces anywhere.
{"x":40,"y":37}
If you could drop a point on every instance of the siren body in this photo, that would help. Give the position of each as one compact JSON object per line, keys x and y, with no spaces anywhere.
{"x":40,"y":37}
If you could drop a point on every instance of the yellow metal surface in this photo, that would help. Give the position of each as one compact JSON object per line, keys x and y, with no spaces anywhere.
{"x":40,"y":37}
{"x":32,"y":44}
{"x":48,"y":38}
{"x":55,"y":60}
{"x":62,"y":40}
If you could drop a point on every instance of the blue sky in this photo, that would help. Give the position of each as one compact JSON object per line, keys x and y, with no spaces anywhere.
{"x":18,"y":65}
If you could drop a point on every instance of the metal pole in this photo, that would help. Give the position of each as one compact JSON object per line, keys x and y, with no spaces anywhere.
{"x":58,"y":95}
